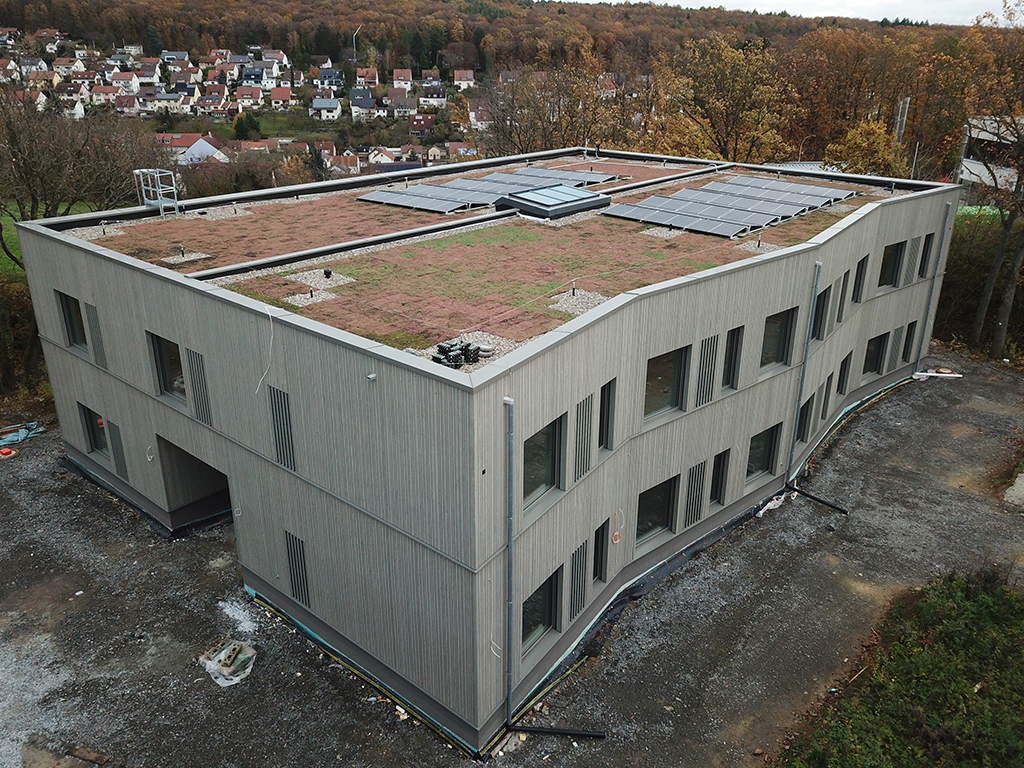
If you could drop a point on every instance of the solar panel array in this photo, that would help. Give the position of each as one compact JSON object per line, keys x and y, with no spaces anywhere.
{"x":466,"y":194}
{"x":733,"y":208}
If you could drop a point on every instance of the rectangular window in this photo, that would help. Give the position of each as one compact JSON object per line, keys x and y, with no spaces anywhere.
{"x":926,"y":252}
{"x":874,"y":355}
{"x":95,"y":431}
{"x":655,"y":508}
{"x":297,"y":577}
{"x":841,"y":310}
{"x":821,"y":303}
{"x":733,"y":350}
{"x":826,"y":396}
{"x":805,"y":420}
{"x":540,"y":462}
{"x":666,"y":375}
{"x":170,"y":376}
{"x":908,"y":343}
{"x":281,"y":421}
{"x":892,"y":261}
{"x":706,"y":371}
{"x":843,"y":383}
{"x":74,"y":325}
{"x":763,"y":451}
{"x":859,"y":278}
{"x":601,"y":537}
{"x":539,"y":612}
{"x":604,"y":423}
{"x":719,"y":477}
{"x":778,"y":335}
{"x":578,"y":581}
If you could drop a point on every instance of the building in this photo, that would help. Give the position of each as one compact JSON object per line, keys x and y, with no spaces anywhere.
{"x":654,"y":391}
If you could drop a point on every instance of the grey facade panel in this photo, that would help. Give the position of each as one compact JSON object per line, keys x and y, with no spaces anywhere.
{"x":99,"y":354}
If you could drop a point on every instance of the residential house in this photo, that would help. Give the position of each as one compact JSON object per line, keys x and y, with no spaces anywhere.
{"x":101,"y":95}
{"x":403,"y":106}
{"x":293,"y":78}
{"x":430,"y":78}
{"x":382,"y":155}
{"x":479,"y":117}
{"x":326,"y":150}
{"x":73,"y":109}
{"x":216,"y":89}
{"x":128,"y":82}
{"x":87,"y":76}
{"x":433,"y":97}
{"x":168,"y":57}
{"x":362,"y":105}
{"x":126,"y":104}
{"x":64,"y":67}
{"x":436,"y":154}
{"x":325,"y":109}
{"x":607,"y":85}
{"x":330,"y":78}
{"x":263,"y":78}
{"x":227,"y":111}
{"x":209,"y":62}
{"x":46,"y":79}
{"x":348,"y":164}
{"x":105,"y":70}
{"x":186,"y":75}
{"x":464,"y":79}
{"x":461,"y":150}
{"x":367,"y":77}
{"x":210,"y":104}
{"x":281,"y":98}
{"x":9,"y":71}
{"x":248,"y":96}
{"x":322,"y":62}
{"x":170,"y":103}
{"x":32,"y":96}
{"x":422,"y":125}
{"x":68,"y":92}
{"x":29,"y":64}
{"x":148,"y":73}
{"x":271,"y":54}
{"x":192,"y":148}
{"x":402,"y":78}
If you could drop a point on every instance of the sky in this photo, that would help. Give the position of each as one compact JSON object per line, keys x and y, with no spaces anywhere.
{"x":935,"y":11}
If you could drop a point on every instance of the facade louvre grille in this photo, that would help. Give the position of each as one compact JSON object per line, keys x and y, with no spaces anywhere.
{"x":584,"y":418}
{"x":297,"y":567}
{"x":200,"y":393}
{"x":578,"y":587}
{"x":895,"y":348}
{"x":281,"y":415}
{"x":694,"y":494}
{"x":706,"y":371}
{"x":117,"y":449}
{"x":99,"y":356}
{"x":913,"y":254}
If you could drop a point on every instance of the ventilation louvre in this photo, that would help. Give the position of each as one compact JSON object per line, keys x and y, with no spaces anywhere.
{"x":201,"y":395}
{"x":706,"y":371}
{"x":578,"y":586}
{"x":694,"y":494}
{"x":281,"y":415}
{"x":297,"y":567}
{"x":584,"y":419}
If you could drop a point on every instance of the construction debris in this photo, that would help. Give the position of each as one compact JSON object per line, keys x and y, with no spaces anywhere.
{"x":228,"y":661}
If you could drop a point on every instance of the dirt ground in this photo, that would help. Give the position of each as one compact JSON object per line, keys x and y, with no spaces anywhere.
{"x":100,"y":617}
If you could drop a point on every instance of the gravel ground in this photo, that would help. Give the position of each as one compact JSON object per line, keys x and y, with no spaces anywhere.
{"x":720,"y":659}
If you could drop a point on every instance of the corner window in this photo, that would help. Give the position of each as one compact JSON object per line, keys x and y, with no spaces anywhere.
{"x":778,"y":335}
{"x":170,"y":375}
{"x":654,"y":509}
{"x":892,"y":261}
{"x":821,"y":303}
{"x":764,"y":448}
{"x":874,"y":355}
{"x":74,"y":325}
{"x":539,"y":612}
{"x":541,"y":462}
{"x":859,"y":278}
{"x":665,"y":377}
{"x":926,"y":253}
{"x":733,"y":350}
{"x":95,"y":431}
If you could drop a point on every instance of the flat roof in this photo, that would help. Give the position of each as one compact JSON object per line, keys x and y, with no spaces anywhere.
{"x":500,"y":282}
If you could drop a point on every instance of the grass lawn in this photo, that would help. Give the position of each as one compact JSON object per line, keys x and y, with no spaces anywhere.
{"x":945,"y":686}
{"x":7,"y":267}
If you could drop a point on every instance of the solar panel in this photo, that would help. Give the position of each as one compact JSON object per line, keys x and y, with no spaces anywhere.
{"x":412,"y":201}
{"x":799,"y":188}
{"x":676,"y":220}
{"x":491,"y":187}
{"x":741,"y":190}
{"x":571,"y":178}
{"x":783,"y":210}
{"x":705,"y":210}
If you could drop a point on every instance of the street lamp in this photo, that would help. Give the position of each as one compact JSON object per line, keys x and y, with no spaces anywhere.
{"x":801,"y":152}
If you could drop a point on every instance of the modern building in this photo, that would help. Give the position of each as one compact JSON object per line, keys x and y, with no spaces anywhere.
{"x":642,"y":375}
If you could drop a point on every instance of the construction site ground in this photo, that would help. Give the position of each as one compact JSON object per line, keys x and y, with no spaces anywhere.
{"x":101,"y":616}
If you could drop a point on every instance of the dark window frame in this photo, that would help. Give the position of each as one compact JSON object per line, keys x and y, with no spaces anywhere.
{"x":843,"y":382}
{"x":926,"y":252}
{"x":859,"y":279}
{"x":552,"y":435}
{"x":602,"y":537}
{"x":733,"y":356}
{"x":95,"y":431}
{"x":769,"y":452}
{"x":841,"y":309}
{"x":720,"y":477}
{"x":656,"y":509}
{"x":170,"y":378}
{"x":908,"y":341}
{"x":74,"y":321}
{"x":891,"y":267}
{"x":779,"y":352}
{"x":543,"y":604}
{"x":874,"y":355}
{"x":606,"y":416}
{"x":819,"y":329}
{"x":805,"y":419}
{"x":654,"y":404}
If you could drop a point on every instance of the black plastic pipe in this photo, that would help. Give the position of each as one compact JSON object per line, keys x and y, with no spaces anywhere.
{"x":558,"y":732}
{"x":812,"y":497}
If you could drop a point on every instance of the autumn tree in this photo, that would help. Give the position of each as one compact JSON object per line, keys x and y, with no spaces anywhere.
{"x":869,"y":148}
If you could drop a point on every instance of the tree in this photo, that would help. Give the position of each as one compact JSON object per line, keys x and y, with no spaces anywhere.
{"x":247,"y":126}
{"x":869,"y":148}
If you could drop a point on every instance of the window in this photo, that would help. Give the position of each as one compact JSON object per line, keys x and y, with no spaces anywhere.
{"x":874,"y":355}
{"x":858,"y":280}
{"x":826,"y":395}
{"x":778,"y":334}
{"x":892,"y":260}
{"x":733,"y":349}
{"x":601,"y":551}
{"x":843,"y":383}
{"x":926,"y":252}
{"x":654,"y":509}
{"x":763,"y":449}
{"x":170,"y":375}
{"x":95,"y":431}
{"x":805,"y":420}
{"x":840,"y":311}
{"x":719,"y":477}
{"x":821,"y":303}
{"x":541,"y":462}
{"x":665,"y":377}
{"x":604,"y":420}
{"x":73,"y":323}
{"x":908,"y":343}
{"x":539,"y":612}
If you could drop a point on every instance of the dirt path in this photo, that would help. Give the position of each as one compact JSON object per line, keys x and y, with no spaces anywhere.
{"x":715,"y":662}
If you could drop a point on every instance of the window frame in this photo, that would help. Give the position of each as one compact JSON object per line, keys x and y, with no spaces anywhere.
{"x":860,"y":277}
{"x":95,"y":431}
{"x":74,"y":332}
{"x":553,"y":462}
{"x":891,"y":265}
{"x":165,"y":382}
{"x":665,"y":516}
{"x":878,"y":365}
{"x":783,"y":348}
{"x":841,"y":308}
{"x":804,"y":420}
{"x":732,"y":358}
{"x":677,"y":399}
{"x":606,"y":417}
{"x":908,"y":341}
{"x":602,"y":537}
{"x":843,"y":382}
{"x":549,"y":594}
{"x":770,"y":453}
{"x":926,"y":252}
{"x":819,"y":325}
{"x":720,"y":477}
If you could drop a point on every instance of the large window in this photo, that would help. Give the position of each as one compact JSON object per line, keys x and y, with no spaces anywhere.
{"x":666,"y":375}
{"x":821,"y":314}
{"x":605,"y":435}
{"x":733,"y":352}
{"x":539,"y":612}
{"x":95,"y":431}
{"x":778,"y":335}
{"x":73,"y":323}
{"x":655,"y":508}
{"x":764,"y":448}
{"x":859,"y":278}
{"x":541,"y":458}
{"x":926,"y":253}
{"x":170,"y":374}
{"x":892,"y":261}
{"x":874,"y":355}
